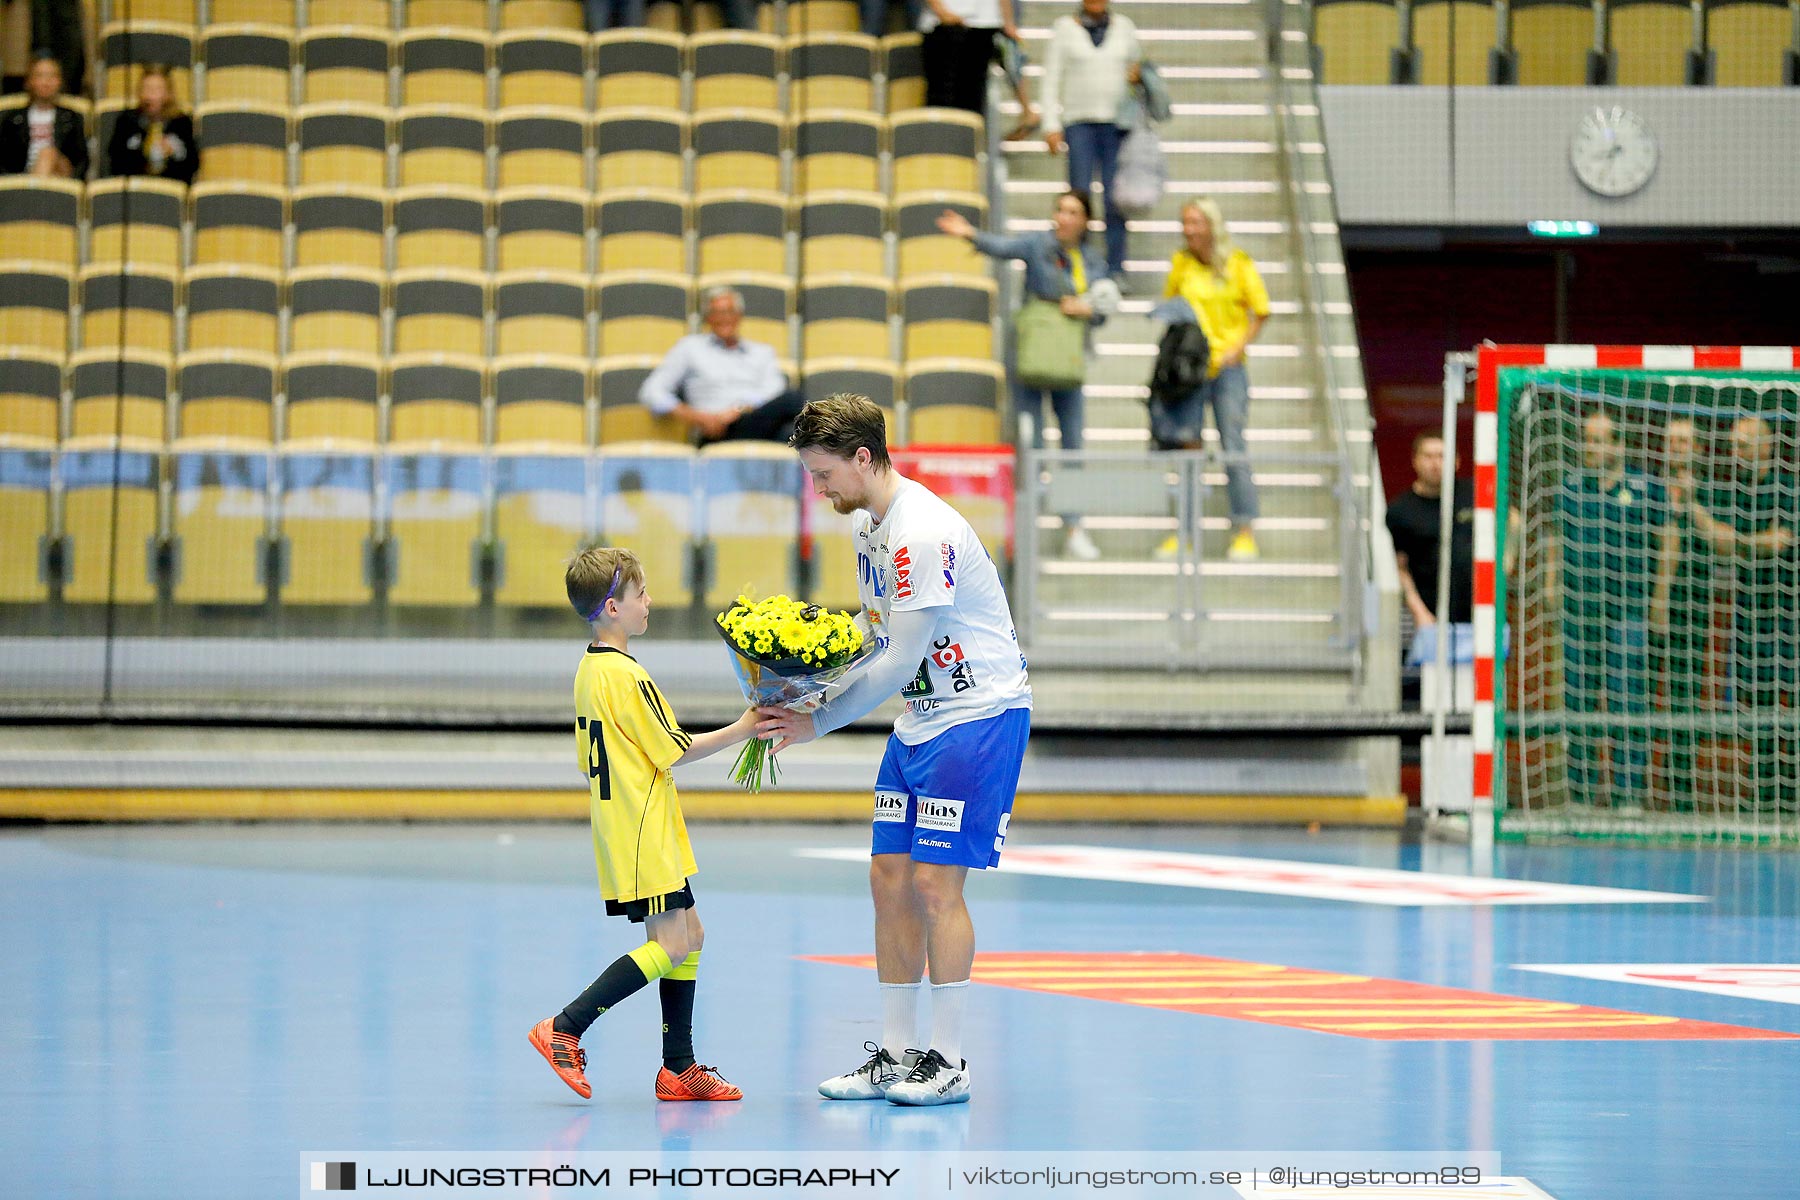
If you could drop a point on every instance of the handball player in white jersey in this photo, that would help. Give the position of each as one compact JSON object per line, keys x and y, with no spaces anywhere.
{"x":944,"y":794}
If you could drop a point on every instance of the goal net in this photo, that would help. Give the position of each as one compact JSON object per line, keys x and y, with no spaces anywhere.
{"x":1647,"y":534}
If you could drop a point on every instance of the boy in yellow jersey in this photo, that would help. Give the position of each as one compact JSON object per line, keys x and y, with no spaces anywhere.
{"x":628,"y":740}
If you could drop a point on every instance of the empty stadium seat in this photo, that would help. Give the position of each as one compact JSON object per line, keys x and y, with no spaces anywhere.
{"x":343,"y":144}
{"x":642,"y":229}
{"x":35,"y":302}
{"x":541,"y":148}
{"x":540,"y":66}
{"x":455,"y":14}
{"x":25,"y":483}
{"x":738,"y":148}
{"x":621,"y":417}
{"x":435,"y":397}
{"x":439,"y":311}
{"x":219,"y":520}
{"x":243,"y":143}
{"x":735,"y":69}
{"x":541,"y":398}
{"x":443,"y":66}
{"x":31,"y":390}
{"x":233,"y":308}
{"x":845,"y":316}
{"x":750,"y":516}
{"x":181,"y":12}
{"x":110,"y":523}
{"x":642,"y":312}
{"x":440,"y":226}
{"x":541,"y":229}
{"x":924,"y":249}
{"x":823,"y":17}
{"x":637,"y":68}
{"x":954,"y":402}
{"x":1356,"y":40}
{"x":935,"y":149}
{"x":740,"y":231}
{"x":331,"y":394}
{"x":837,"y":150}
{"x":442,"y":145}
{"x":249,"y":12}
{"x":136,"y":217}
{"x":1650,"y":42}
{"x":831,"y":70}
{"x":338,"y":226}
{"x":1473,"y":40}
{"x":376,"y":13}
{"x":131,"y":305}
{"x":639,"y":148}
{"x":39,"y":219}
{"x":541,"y":521}
{"x":326,"y":513}
{"x":541,"y":312}
{"x":238,"y":223}
{"x":1746,"y":39}
{"x":647,"y":499}
{"x":541,"y":14}
{"x":344,"y":64}
{"x":900,"y":53}
{"x":1551,"y":41}
{"x":947,"y":316}
{"x":842,"y":231}
{"x":226,"y":394}
{"x":114,"y":392}
{"x":248,"y":64}
{"x":436,"y":495}
{"x":335,"y":308}
{"x":877,"y":379}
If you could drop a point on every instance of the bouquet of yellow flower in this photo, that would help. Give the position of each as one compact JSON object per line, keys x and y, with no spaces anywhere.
{"x":787,"y":653}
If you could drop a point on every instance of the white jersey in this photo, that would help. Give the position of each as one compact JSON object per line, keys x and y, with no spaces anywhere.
{"x":924,"y":555}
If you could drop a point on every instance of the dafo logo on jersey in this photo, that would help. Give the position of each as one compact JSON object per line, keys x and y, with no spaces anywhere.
{"x":903,"y":588}
{"x":940,"y":814}
{"x":890,"y":806}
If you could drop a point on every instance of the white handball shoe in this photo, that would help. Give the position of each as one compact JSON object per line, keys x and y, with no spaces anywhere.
{"x":932,"y":1081}
{"x":871,"y":1080}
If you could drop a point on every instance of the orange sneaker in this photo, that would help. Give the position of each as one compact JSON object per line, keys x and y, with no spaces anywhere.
{"x":564,"y":1054}
{"x":695,"y":1083}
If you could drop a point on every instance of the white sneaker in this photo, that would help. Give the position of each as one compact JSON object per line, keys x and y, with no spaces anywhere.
{"x":871,"y":1080}
{"x":1078,"y":545}
{"x":932,"y":1081}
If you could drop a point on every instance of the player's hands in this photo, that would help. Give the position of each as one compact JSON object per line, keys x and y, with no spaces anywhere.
{"x":784,"y":727}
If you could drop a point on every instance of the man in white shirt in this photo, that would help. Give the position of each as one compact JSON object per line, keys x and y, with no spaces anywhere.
{"x":722,"y":386}
{"x":944,"y":792}
{"x":1092,"y":60}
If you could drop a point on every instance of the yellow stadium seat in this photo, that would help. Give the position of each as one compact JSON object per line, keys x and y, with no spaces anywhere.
{"x":219,"y":520}
{"x":35,"y":302}
{"x":1746,"y":39}
{"x":954,"y":402}
{"x":541,"y":14}
{"x":541,"y":147}
{"x":541,"y":520}
{"x":243,"y":143}
{"x":343,"y":144}
{"x":637,"y":68}
{"x":837,"y":150}
{"x":436,"y":398}
{"x":639,"y":147}
{"x":439,"y":312}
{"x":845,"y":316}
{"x":830,"y":69}
{"x":111,"y":528}
{"x":238,"y":224}
{"x":642,"y":229}
{"x":622,"y":417}
{"x":31,"y":387}
{"x":39,"y":219}
{"x":436,"y":498}
{"x":947,"y":316}
{"x":331,"y":394}
{"x":647,"y":499}
{"x":738,"y":148}
{"x":842,"y":232}
{"x":735,"y":68}
{"x":454,"y":14}
{"x":327,"y":522}
{"x":440,"y":227}
{"x":442,"y":145}
{"x":642,"y":312}
{"x":153,"y":208}
{"x":1651,"y":41}
{"x":1552,"y":40}
{"x":1356,"y":40}
{"x":233,"y":308}
{"x":344,"y":64}
{"x":876,"y":378}
{"x":113,"y":392}
{"x":936,"y":149}
{"x":541,"y":66}
{"x":823,"y":17}
{"x":541,"y":229}
{"x":181,"y":12}
{"x":541,"y":312}
{"x":226,"y":394}
{"x":541,"y":398}
{"x":249,"y":12}
{"x":128,"y":306}
{"x":926,"y":251}
{"x":335,"y":309}
{"x":338,"y":226}
{"x":25,"y":478}
{"x":126,"y":47}
{"x":741,"y":231}
{"x":905,"y":64}
{"x":376,"y":13}
{"x":1433,"y":37}
{"x":248,"y":64}
{"x":751,"y":519}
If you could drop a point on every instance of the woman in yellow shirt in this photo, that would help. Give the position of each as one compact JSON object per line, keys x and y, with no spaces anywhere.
{"x":1221,"y":285}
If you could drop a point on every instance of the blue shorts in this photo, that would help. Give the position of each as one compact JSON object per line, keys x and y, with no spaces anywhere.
{"x":949,"y":799}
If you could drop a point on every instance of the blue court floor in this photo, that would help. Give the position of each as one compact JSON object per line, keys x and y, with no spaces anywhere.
{"x":184,"y":1010}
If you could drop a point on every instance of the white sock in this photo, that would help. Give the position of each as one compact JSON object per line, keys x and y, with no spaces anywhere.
{"x":900,"y":1013}
{"x":946,"y":1020}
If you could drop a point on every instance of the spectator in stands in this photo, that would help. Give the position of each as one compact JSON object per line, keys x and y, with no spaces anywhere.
{"x":1681,"y":605}
{"x":43,"y":137}
{"x":156,"y":137}
{"x":1413,"y":520}
{"x":722,"y":386}
{"x":959,"y":44}
{"x":1220,"y":287}
{"x":875,"y":15}
{"x":1012,"y":65}
{"x":614,"y":14}
{"x":1092,"y":62}
{"x":1057,"y":270}
{"x":1610,"y":519}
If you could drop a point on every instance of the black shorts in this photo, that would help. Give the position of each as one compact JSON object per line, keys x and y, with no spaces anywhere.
{"x":636,"y":910}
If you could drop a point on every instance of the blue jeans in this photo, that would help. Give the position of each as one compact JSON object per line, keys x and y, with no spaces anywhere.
{"x":615,"y":14}
{"x":1071,"y":410}
{"x":1094,"y":146}
{"x":875,"y":14}
{"x":1229,"y":394}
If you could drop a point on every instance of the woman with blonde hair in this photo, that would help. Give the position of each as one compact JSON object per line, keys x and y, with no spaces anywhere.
{"x":1219,"y":284}
{"x":156,"y":137}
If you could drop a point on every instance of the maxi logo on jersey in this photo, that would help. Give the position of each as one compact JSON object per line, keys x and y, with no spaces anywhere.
{"x":903,"y":588}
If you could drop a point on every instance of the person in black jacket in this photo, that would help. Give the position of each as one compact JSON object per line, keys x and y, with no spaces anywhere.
{"x":44,"y":137}
{"x":156,"y":137}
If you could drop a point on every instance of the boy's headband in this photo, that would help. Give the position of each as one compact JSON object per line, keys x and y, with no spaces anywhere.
{"x":601,"y":607}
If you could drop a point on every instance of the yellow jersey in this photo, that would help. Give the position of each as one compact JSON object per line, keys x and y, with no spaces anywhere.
{"x":627,"y":740}
{"x":1222,"y":303}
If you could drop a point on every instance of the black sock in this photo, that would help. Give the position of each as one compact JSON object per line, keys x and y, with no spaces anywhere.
{"x":625,"y":976}
{"x":678,"y":1023}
